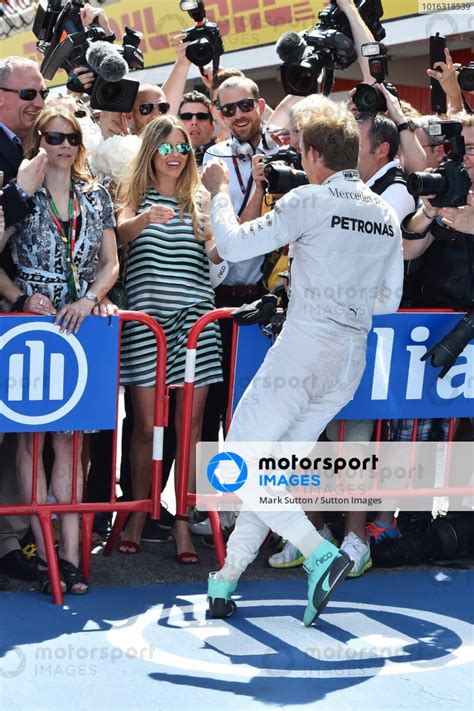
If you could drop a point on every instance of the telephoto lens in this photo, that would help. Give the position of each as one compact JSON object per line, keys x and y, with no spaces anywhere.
{"x":426,"y":184}
{"x":369,"y":99}
{"x":466,"y":77}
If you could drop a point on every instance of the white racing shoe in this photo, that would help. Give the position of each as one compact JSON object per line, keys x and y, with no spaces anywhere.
{"x":290,"y":556}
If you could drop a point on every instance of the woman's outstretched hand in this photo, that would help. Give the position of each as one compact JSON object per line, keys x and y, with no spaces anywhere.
{"x":72,"y":315}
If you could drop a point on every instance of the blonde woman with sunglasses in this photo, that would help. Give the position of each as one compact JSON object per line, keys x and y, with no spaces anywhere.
{"x":66,"y":260}
{"x":165,"y":223}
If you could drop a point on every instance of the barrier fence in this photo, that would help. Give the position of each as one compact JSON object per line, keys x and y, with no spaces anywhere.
{"x":185,"y":498}
{"x":87,"y":510}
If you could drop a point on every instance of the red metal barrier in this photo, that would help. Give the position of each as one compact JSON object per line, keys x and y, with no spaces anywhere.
{"x":186,"y":498}
{"x":87,"y":510}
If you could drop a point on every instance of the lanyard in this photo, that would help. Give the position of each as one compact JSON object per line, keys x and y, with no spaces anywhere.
{"x":69,"y":239}
{"x":237,"y":172}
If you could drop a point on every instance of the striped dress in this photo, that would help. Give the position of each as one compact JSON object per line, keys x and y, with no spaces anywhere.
{"x":167,"y":277}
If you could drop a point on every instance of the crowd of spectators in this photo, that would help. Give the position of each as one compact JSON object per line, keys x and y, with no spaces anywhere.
{"x":85,"y":191}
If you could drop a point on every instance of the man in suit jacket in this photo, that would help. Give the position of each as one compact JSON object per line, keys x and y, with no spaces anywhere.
{"x":22,"y":94}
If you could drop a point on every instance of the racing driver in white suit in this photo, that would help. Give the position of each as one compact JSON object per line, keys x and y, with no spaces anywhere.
{"x":346,"y":265}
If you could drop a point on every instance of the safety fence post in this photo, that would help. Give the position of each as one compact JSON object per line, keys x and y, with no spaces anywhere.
{"x":87,"y":510}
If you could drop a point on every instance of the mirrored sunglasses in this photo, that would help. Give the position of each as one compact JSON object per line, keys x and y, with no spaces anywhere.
{"x":166,"y":148}
{"x":200,"y":115}
{"x":245,"y":105}
{"x":55,"y":138}
{"x":146,"y":109}
{"x":27,"y":94}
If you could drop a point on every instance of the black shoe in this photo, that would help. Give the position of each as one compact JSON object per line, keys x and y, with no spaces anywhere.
{"x":4,"y":581}
{"x":154,"y":532}
{"x":102,"y":523}
{"x":16,"y":566}
{"x":166,"y":519}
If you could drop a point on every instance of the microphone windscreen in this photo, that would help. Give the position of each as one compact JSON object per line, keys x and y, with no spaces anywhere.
{"x":290,"y":47}
{"x":103,"y":58}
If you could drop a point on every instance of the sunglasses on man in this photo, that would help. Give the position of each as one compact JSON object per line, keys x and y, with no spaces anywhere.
{"x":245,"y":105}
{"x":146,"y":109}
{"x":200,"y":116}
{"x":165,"y":149}
{"x":56,"y":138}
{"x":27,"y":94}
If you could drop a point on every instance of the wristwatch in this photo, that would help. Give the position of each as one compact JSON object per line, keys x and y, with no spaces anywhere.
{"x":92,"y":296}
{"x":403,"y":126}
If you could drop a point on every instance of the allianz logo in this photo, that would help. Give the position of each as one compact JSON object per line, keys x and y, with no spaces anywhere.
{"x":390,"y":363}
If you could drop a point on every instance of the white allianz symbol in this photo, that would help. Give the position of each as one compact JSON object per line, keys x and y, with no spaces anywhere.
{"x":39,"y":369}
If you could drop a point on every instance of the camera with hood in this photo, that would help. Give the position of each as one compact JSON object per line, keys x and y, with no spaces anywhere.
{"x":450,"y":182}
{"x":322,"y":49}
{"x":283,"y":171}
{"x":67,"y":44}
{"x":204,"y":41}
{"x":368,"y":98}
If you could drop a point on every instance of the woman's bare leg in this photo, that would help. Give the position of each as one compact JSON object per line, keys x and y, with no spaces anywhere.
{"x":180,"y":529}
{"x":143,"y":400}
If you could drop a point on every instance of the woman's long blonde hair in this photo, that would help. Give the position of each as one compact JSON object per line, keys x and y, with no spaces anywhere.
{"x":141,"y":177}
{"x":79,"y":170}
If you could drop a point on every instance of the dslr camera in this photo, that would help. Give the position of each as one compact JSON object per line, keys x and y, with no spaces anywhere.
{"x":67,"y":44}
{"x":466,"y":77}
{"x":327,"y":46}
{"x":204,"y":39}
{"x":283,"y":171}
{"x":450,"y":182}
{"x":446,"y":352}
{"x":368,"y":98}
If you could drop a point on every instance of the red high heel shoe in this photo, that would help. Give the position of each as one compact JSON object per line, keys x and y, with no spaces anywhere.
{"x":186,"y":557}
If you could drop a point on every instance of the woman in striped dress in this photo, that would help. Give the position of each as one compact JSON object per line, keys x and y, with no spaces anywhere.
{"x":164,"y":224}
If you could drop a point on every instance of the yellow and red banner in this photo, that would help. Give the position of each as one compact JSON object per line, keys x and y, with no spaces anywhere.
{"x":243,"y":24}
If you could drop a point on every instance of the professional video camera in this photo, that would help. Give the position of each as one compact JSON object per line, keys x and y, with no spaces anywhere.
{"x":368,"y":98}
{"x":446,"y":352}
{"x":327,"y":46}
{"x":450,"y":182}
{"x":283,"y":171}
{"x":466,"y":77}
{"x":204,"y":39}
{"x":67,"y":44}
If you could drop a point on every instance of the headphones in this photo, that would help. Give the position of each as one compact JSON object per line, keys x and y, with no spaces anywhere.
{"x":243,"y":150}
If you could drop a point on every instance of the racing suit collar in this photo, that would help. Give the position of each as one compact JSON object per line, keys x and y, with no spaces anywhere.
{"x":349,"y":174}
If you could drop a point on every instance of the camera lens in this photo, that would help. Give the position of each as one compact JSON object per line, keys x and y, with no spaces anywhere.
{"x":369,"y":99}
{"x":200,"y":52}
{"x":466,"y":78}
{"x":426,"y":184}
{"x":114,"y":96}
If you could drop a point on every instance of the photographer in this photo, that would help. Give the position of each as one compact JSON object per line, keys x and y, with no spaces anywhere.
{"x":443,"y":237}
{"x":330,"y":344}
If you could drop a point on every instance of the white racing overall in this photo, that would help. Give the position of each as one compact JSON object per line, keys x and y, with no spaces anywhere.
{"x":346,"y":265}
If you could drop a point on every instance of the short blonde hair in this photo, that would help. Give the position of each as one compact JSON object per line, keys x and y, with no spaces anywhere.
{"x":331,"y":129}
{"x":466,"y":119}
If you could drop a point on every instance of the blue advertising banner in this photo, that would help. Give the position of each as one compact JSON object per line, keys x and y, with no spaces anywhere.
{"x":396,"y":383}
{"x":52,"y":382}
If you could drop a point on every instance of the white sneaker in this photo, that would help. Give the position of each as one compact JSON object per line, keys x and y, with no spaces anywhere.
{"x":289,"y":557}
{"x":359,"y":552}
{"x":202,"y":528}
{"x":326,"y":533}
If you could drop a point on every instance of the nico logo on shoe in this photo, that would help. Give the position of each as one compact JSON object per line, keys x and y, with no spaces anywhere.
{"x":324,"y":558}
{"x":227,"y":472}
